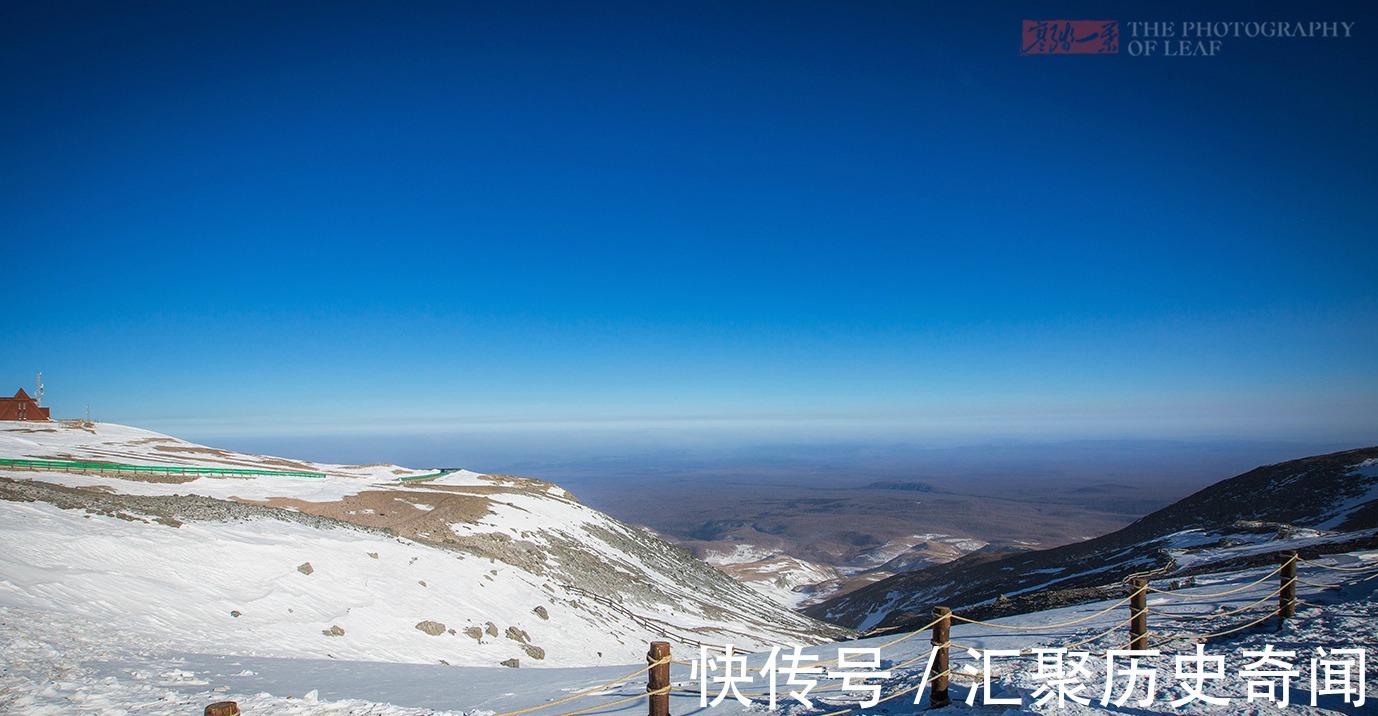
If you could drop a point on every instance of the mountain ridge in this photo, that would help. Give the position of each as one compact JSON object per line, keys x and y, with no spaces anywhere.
{"x":362,"y":562}
{"x":1333,"y":492}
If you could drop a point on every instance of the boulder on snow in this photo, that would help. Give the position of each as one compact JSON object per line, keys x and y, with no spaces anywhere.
{"x":431,"y":627}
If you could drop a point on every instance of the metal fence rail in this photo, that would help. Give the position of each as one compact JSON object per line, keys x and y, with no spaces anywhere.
{"x":182,"y":470}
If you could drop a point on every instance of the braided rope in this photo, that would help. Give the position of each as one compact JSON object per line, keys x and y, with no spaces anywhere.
{"x":897,"y":694}
{"x":892,"y":642}
{"x":1241,"y":627}
{"x":1260,"y":580}
{"x":1073,"y":645}
{"x":587,"y":692}
{"x":658,"y":692}
{"x":921,"y":657}
{"x":1320,"y":585}
{"x":920,"y":630}
{"x":1045,"y":627}
{"x":1232,"y":612}
{"x":1367,"y":568}
{"x":1101,"y":635}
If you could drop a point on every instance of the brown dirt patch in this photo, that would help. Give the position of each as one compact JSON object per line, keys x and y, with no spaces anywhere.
{"x":521,"y":484}
{"x":540,"y":488}
{"x":192,"y":449}
{"x":396,"y":510}
{"x":229,"y":458}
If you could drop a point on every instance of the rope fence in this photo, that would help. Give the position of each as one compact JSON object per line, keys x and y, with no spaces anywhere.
{"x":592,"y":691}
{"x":1217,"y":615}
{"x":1074,"y":622}
{"x":938,"y":673}
{"x":1217,"y":595}
{"x":1366,"y":568}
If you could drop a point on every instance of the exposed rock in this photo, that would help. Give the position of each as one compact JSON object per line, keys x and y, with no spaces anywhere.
{"x":334,"y":630}
{"x":236,"y":613}
{"x":430,"y":627}
{"x":491,"y":628}
{"x":475,"y":633}
{"x":223,"y":708}
{"x":534,"y":652}
{"x":305,"y":568}
{"x":542,"y":613}
{"x":511,"y":663}
{"x":518,"y":635}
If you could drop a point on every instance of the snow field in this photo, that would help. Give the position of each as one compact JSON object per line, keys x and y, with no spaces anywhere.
{"x":61,"y":666}
{"x":181,"y":584}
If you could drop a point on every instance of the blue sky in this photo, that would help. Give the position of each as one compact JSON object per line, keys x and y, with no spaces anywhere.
{"x":736,"y":220}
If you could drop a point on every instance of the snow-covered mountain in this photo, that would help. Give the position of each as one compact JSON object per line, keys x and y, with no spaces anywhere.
{"x":229,"y":553}
{"x":161,"y":592}
{"x":58,"y":665}
{"x":1245,"y":519}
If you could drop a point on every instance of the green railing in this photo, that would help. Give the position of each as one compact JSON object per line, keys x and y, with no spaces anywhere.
{"x":429,"y":476}
{"x":86,"y":466}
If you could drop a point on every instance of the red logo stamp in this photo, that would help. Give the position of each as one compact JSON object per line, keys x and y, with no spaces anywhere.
{"x":1070,"y":37}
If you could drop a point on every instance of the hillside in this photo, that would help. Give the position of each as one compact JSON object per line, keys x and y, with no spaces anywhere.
{"x":1335,"y":494}
{"x":224,"y":552}
{"x":61,"y":665}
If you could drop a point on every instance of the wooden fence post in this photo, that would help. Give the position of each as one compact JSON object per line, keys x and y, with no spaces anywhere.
{"x":222,"y":708}
{"x":1138,"y":614}
{"x":942,"y":632}
{"x":659,"y":678}
{"x":1287,"y":596}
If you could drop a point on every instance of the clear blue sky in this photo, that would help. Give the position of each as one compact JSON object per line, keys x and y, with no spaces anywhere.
{"x":813,"y":220}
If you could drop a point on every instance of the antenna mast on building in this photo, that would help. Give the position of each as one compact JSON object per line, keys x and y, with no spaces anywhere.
{"x":38,"y":397}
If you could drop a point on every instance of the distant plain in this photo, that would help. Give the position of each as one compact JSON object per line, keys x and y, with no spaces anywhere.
{"x":861,"y":510}
{"x":855,"y":508}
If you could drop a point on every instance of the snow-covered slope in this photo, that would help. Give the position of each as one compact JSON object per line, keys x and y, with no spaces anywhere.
{"x":797,"y":583}
{"x":121,"y":596}
{"x":775,"y":575}
{"x":364,"y":562}
{"x":58,"y":665}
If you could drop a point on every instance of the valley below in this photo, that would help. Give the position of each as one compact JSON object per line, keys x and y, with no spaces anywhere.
{"x":802,"y":525}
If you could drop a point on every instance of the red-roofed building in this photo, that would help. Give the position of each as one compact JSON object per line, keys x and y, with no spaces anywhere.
{"x":22,"y":407}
